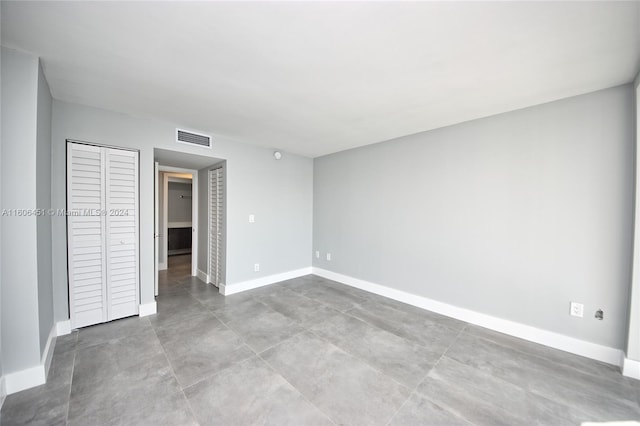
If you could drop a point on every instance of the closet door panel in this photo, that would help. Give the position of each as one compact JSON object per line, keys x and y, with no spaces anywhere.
{"x":85,"y":227}
{"x":122,"y":233}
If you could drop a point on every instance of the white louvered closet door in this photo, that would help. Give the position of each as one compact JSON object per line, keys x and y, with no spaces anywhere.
{"x":86,"y":230}
{"x":102,"y":195}
{"x":215,"y":225}
{"x":122,"y":233}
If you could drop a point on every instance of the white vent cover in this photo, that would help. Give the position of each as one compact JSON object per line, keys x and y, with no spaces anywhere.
{"x":184,"y":136}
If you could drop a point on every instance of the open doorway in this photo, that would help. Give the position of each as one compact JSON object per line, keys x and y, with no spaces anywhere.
{"x":183,"y":226}
{"x":178,"y":206}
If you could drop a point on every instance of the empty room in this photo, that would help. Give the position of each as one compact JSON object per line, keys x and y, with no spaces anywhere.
{"x":320,"y":213}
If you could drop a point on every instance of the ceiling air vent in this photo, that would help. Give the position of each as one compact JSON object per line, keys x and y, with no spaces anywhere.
{"x":192,"y":138}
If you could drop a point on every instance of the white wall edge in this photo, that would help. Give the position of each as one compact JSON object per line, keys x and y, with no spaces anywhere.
{"x":47,"y":355}
{"x":63,"y":328}
{"x":3,"y":391}
{"x":202,"y":276}
{"x":512,"y":328}
{"x":24,"y":379}
{"x":229,"y":289}
{"x":631,"y":368}
{"x":162,"y":266}
{"x":147,"y":309}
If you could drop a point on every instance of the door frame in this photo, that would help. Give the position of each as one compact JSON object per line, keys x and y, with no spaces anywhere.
{"x":177,"y":171}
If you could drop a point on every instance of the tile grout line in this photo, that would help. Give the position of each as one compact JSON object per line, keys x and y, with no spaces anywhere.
{"x":164,"y":352}
{"x":297,"y":390}
{"x":415,"y":389}
{"x":73,"y":367}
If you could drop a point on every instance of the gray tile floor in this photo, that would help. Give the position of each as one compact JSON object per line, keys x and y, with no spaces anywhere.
{"x":309,"y":351}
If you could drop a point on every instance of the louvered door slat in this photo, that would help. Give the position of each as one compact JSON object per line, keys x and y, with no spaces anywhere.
{"x":85,"y":190}
{"x":122,"y":234}
{"x":103,"y":246}
{"x":215,"y":225}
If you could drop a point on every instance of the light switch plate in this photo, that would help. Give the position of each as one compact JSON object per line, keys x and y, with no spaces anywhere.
{"x":252,"y":218}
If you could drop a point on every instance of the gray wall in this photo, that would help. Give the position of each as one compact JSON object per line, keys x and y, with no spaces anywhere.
{"x":43,"y":201}
{"x":513,"y":216}
{"x":19,"y":310}
{"x":279,"y":193}
{"x":179,"y":209}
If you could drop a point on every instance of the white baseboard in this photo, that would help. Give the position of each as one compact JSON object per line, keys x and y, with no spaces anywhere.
{"x":63,"y":328}
{"x":522,"y":331}
{"x":3,"y":391}
{"x":162,"y":266}
{"x":25,"y":379}
{"x":202,"y":276}
{"x":261,"y":282}
{"x":47,"y":355}
{"x":631,"y":368}
{"x":34,"y":376}
{"x":147,"y":309}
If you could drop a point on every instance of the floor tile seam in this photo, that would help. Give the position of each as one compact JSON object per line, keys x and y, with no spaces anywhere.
{"x":413,"y":391}
{"x":588,"y":408}
{"x":279,"y":343}
{"x":180,"y":387}
{"x":525,"y":390}
{"x":376,"y":369}
{"x":411,"y":343}
{"x":538,"y":370}
{"x":543,"y":358}
{"x":73,"y":368}
{"x":215,"y":373}
{"x":414,"y":342}
{"x":244,"y":342}
{"x":296,"y":389}
{"x":79,"y":348}
{"x":441,"y":357}
{"x":480,"y":401}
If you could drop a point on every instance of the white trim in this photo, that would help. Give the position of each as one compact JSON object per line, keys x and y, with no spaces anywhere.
{"x":146,"y":309}
{"x":631,"y":368}
{"x":260,"y":282}
{"x":47,"y":355}
{"x":33,"y":376}
{"x":523,"y":331}
{"x":25,"y":379}
{"x":204,"y":277}
{"x":162,"y":266}
{"x":63,"y":328}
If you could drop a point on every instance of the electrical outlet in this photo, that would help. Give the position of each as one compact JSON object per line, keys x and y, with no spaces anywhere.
{"x":329,"y":256}
{"x":317,"y":254}
{"x":256,"y":267}
{"x":252,"y":218}
{"x":577,"y":309}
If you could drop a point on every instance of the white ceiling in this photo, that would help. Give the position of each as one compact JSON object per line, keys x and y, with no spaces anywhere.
{"x":319,"y":77}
